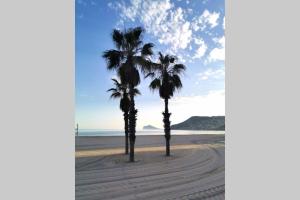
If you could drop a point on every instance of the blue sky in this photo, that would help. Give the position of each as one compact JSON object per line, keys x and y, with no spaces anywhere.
{"x":193,"y":30}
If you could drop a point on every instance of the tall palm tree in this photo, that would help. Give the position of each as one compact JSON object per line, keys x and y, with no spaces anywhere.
{"x":121,"y":91}
{"x":166,"y":79}
{"x":129,"y":56}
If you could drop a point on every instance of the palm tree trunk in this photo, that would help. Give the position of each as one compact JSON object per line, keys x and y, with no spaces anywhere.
{"x":126,"y":131}
{"x":132,"y":123}
{"x":167,"y":128}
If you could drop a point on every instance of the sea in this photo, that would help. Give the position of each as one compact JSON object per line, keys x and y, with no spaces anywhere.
{"x":110,"y":132}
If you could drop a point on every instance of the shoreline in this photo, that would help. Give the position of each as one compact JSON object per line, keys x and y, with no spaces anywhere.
{"x":102,"y":133}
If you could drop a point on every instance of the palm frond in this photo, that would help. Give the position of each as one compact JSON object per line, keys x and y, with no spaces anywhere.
{"x":150,"y":74}
{"x":117,"y":38}
{"x":117,"y":83}
{"x":176,"y":82}
{"x":145,"y":65}
{"x":113,"y":58}
{"x":133,"y":37}
{"x":137,"y":33}
{"x":155,"y":84}
{"x":172,"y":59}
{"x":169,"y":59}
{"x":115,"y":95}
{"x":161,"y":57}
{"x":147,"y":49}
{"x":136,"y":92}
{"x":178,"y":68}
{"x":112,"y":90}
{"x":129,"y":74}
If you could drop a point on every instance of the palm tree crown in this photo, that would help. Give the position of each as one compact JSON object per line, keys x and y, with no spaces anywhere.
{"x":129,"y":56}
{"x":121,"y":91}
{"x":166,"y":77}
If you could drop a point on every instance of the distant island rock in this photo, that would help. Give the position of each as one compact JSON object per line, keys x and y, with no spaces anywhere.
{"x":149,"y":127}
{"x":216,"y":123}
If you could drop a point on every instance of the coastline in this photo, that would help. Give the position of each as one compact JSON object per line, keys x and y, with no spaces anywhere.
{"x":108,"y":132}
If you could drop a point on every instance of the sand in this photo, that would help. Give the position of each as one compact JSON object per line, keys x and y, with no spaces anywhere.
{"x":195,"y":169}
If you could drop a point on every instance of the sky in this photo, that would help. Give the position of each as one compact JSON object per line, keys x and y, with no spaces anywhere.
{"x":192,"y":30}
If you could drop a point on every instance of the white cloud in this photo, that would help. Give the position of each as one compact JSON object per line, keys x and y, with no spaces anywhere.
{"x":201,"y":49}
{"x":175,"y":31}
{"x":206,"y":19}
{"x":170,"y":26}
{"x":224,"y":23}
{"x":127,"y":12}
{"x":218,"y":53}
{"x":212,"y":73}
{"x":161,"y":19}
{"x":181,"y":59}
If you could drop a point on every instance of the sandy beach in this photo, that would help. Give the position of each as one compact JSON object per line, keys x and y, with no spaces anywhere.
{"x":195,"y":169}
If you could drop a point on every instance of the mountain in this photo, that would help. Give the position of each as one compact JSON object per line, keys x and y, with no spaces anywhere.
{"x":148,"y":127}
{"x":201,"y":123}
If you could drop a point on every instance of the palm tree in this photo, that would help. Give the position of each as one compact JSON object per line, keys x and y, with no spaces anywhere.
{"x":129,"y":56}
{"x":166,"y":79}
{"x":121,"y":91}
